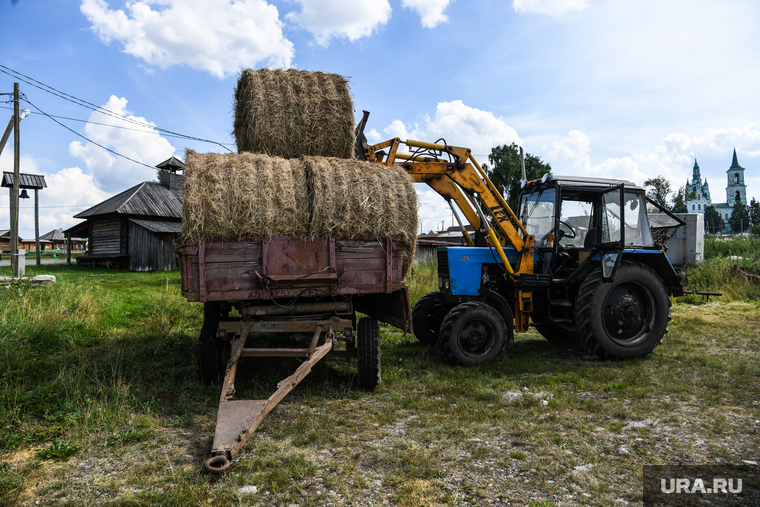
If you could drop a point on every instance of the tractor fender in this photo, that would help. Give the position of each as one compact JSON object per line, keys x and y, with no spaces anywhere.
{"x":660,"y":264}
{"x":655,"y":259}
{"x":497,"y":301}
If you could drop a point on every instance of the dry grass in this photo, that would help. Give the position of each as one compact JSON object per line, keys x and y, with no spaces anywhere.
{"x":293,"y":113}
{"x":243,"y":195}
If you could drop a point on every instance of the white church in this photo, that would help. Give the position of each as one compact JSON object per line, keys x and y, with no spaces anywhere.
{"x":698,"y":193}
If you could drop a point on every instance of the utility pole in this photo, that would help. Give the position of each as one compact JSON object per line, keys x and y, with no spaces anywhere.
{"x":16,"y":182}
{"x":37,"y":227}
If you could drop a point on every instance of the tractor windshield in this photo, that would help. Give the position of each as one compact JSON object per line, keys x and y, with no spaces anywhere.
{"x":537,"y":214}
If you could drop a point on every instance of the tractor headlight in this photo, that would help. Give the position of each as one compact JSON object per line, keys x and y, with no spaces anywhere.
{"x":443,"y":283}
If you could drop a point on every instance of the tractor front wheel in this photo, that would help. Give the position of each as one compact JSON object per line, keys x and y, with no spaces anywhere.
{"x":473,"y":333}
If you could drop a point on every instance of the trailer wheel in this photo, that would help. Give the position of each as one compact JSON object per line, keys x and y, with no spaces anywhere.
{"x":625,"y":318}
{"x":368,"y":353}
{"x":473,"y":333}
{"x":427,"y":316}
{"x":210,"y":349}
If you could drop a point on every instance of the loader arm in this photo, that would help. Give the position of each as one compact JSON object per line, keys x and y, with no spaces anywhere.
{"x":455,"y":174}
{"x":460,"y":178}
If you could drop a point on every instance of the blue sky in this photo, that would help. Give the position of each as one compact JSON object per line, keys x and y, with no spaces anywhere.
{"x":601,"y":88}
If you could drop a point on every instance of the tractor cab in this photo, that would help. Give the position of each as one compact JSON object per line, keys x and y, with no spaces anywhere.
{"x":574,"y":219}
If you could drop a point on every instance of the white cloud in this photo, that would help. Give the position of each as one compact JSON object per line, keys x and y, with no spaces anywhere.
{"x":550,"y":7}
{"x":575,"y":147}
{"x":217,"y":36}
{"x":672,"y":158}
{"x":352,"y":19}
{"x":431,"y":11}
{"x":459,"y":125}
{"x":432,"y":209}
{"x":373,"y":136}
{"x":112,"y":173}
{"x":72,"y":189}
{"x":68,"y":192}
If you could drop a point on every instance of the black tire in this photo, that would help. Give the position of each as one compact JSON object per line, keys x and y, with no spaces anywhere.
{"x":427,"y":316}
{"x":557,"y":334}
{"x":368,"y":353}
{"x":473,"y":333}
{"x":210,"y":349}
{"x":626,"y":318}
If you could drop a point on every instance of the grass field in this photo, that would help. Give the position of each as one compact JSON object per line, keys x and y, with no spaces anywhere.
{"x":99,"y":405}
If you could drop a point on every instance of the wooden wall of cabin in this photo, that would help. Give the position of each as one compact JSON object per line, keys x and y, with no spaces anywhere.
{"x":150,"y":251}
{"x":106,"y":237}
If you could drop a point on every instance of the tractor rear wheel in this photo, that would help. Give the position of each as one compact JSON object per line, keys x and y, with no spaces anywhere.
{"x":368,"y":353}
{"x":625,"y":318}
{"x":427,"y":316}
{"x":473,"y":333}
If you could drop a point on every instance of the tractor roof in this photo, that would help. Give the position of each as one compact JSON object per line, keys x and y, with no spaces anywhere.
{"x":599,"y":183}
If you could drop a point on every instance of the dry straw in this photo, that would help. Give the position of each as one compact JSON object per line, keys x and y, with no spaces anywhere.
{"x":294,"y":113}
{"x":243,"y":195}
{"x":246,"y":194}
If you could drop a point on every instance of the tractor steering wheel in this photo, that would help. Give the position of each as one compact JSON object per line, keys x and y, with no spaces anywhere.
{"x":564,"y":234}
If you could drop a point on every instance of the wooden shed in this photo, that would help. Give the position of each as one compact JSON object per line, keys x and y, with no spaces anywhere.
{"x":137,"y":228}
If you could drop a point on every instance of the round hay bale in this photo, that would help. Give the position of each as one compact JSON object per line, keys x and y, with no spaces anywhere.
{"x":353,"y":198}
{"x":245,"y":194}
{"x":294,"y":113}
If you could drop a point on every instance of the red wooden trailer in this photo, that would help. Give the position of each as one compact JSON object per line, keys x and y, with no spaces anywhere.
{"x":307,"y":288}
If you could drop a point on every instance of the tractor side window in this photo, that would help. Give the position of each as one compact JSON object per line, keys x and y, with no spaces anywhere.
{"x":576,"y":219}
{"x":611,"y":217}
{"x":537,"y":214}
{"x":637,"y":230}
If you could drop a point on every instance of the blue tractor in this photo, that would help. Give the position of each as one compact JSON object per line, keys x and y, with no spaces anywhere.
{"x":578,"y":261}
{"x":599,"y":278}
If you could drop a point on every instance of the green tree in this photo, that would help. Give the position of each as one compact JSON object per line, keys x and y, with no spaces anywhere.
{"x":505,"y":172}
{"x":713,"y":220}
{"x":739,"y":219}
{"x":754,"y":216}
{"x":658,"y":189}
{"x":679,"y":201}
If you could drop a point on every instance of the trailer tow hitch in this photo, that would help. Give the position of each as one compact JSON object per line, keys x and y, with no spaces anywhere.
{"x":236,"y":420}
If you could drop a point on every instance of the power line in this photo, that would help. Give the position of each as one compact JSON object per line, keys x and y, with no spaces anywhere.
{"x":89,"y":105}
{"x":72,"y":206}
{"x":152,"y":131}
{"x":87,"y":139}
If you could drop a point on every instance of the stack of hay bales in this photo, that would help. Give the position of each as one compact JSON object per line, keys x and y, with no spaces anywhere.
{"x":249,"y":194}
{"x":295,"y":174}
